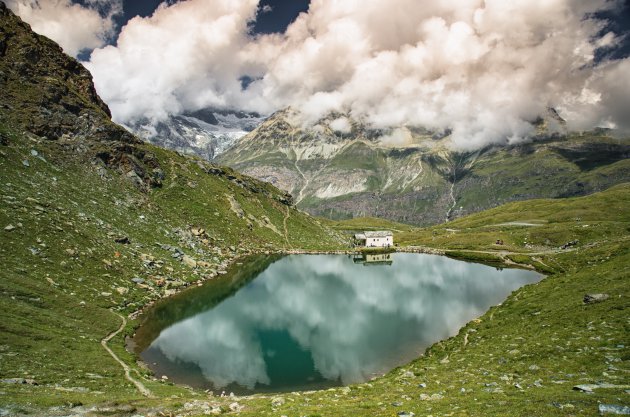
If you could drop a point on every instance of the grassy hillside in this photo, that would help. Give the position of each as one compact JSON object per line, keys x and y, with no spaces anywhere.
{"x":535,"y":225}
{"x":74,"y":236}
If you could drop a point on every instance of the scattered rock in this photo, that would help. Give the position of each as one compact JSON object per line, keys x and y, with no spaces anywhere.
{"x":277,"y":402}
{"x":122,"y":290}
{"x":569,"y":244}
{"x":123,"y":239}
{"x":589,"y":388}
{"x":614,"y":409}
{"x":235,"y":407}
{"x":26,"y":163}
{"x":9,"y":228}
{"x":137,"y":280}
{"x":24,"y":381}
{"x":198,"y":231}
{"x":595,"y":298}
{"x":432,"y":397}
{"x":422,"y":385}
{"x":406,"y":414}
{"x":188,"y":261}
{"x":585,"y":388}
{"x":215,"y":410}
{"x":34,"y":153}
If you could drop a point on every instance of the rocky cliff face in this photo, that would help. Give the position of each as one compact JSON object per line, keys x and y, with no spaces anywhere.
{"x":45,"y":91}
{"x":50,"y":96}
{"x":412,"y":175}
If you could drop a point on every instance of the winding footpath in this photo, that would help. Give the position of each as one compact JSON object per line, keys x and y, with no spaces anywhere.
{"x":286,"y":228}
{"x":143,"y":390}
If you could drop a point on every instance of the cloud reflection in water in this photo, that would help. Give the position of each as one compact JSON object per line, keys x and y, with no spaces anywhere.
{"x":354,"y":321}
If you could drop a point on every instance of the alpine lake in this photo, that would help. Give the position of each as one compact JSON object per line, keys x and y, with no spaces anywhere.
{"x":304,"y":322}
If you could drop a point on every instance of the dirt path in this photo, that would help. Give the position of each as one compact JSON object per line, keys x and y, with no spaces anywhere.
{"x":143,"y":390}
{"x":286,"y":229}
{"x":507,"y":252}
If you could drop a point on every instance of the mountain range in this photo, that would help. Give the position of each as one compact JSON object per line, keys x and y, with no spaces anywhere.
{"x":417,"y":177}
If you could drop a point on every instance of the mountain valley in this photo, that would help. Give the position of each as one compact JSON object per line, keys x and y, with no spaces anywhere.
{"x":97,"y":226}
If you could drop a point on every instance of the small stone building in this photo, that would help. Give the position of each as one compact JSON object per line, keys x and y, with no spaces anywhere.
{"x":377,"y":239}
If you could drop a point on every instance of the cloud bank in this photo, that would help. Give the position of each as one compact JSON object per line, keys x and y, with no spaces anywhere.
{"x":75,"y":27}
{"x":482,"y":69}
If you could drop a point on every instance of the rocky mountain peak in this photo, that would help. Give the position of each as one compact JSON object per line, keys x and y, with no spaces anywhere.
{"x":46,"y":92}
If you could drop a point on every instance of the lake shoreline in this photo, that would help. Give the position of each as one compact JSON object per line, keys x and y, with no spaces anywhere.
{"x":233,"y":260}
{"x":234,"y":282}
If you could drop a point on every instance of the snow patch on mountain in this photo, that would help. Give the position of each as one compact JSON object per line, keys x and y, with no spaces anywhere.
{"x":206,"y":133}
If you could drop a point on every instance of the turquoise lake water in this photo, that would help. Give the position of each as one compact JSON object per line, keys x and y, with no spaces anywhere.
{"x":314,"y":321}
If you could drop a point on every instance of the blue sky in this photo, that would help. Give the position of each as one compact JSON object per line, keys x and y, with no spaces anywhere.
{"x":274,"y":17}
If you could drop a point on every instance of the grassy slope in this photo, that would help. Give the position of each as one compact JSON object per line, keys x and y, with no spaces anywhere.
{"x":62,"y":269}
{"x":543,"y":338}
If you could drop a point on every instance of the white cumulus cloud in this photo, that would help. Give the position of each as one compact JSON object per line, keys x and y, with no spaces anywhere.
{"x":481,"y":69}
{"x":341,"y":125}
{"x":74,"y":27}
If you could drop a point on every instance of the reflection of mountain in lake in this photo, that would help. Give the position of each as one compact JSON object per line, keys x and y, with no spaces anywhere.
{"x":373,"y":259}
{"x":329,"y":318}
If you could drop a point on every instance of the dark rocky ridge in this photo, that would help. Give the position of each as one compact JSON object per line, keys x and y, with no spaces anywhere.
{"x":50,"y":96}
{"x":46,"y":92}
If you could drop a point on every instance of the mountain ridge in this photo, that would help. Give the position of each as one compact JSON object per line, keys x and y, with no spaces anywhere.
{"x":419,"y":179}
